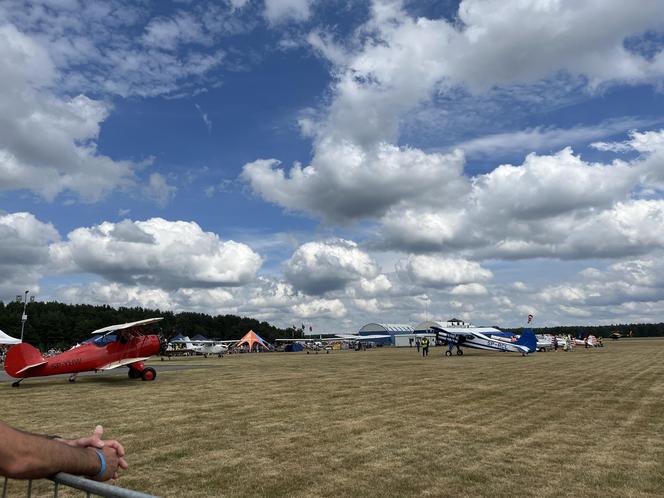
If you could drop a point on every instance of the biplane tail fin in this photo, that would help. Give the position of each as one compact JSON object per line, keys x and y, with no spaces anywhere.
{"x":21,"y":358}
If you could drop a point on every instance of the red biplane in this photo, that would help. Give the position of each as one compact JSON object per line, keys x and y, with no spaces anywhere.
{"x":109,"y":348}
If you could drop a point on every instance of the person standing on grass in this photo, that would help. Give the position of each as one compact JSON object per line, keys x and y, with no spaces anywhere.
{"x":425,"y":347}
{"x":31,"y":456}
{"x":417,"y":345}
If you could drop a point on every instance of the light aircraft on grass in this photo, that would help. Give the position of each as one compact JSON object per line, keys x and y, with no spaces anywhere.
{"x":202,"y":347}
{"x":311,"y":344}
{"x":479,"y":338}
{"x":321,"y":344}
{"x":592,"y":341}
{"x":545,"y":342}
{"x":124,"y":345}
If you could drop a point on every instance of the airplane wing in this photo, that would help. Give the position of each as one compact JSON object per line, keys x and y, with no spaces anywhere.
{"x":352,"y":337}
{"x":112,"y":328}
{"x":298,"y":340}
{"x":121,"y":363}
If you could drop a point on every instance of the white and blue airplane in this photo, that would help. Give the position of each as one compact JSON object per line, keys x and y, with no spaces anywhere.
{"x":479,"y":338}
{"x":545,"y":342}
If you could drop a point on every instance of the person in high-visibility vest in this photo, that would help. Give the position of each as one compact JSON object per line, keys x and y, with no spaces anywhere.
{"x":425,"y":346}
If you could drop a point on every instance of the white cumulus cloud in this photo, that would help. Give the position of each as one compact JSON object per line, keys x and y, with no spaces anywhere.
{"x":319,"y":267}
{"x":157,"y":253}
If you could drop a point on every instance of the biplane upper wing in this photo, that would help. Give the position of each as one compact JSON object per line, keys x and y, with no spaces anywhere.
{"x":113,"y":328}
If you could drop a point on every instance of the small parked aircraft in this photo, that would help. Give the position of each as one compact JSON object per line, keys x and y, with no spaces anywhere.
{"x":545,"y":342}
{"x":311,"y":344}
{"x":325,"y":344}
{"x":109,"y":348}
{"x":617,"y":335}
{"x":591,"y":341}
{"x":479,"y":338}
{"x":203,"y":347}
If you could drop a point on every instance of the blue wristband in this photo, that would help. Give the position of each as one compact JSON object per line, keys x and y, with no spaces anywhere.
{"x":103,"y":465}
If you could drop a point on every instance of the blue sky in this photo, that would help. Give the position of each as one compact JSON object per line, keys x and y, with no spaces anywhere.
{"x":336,"y":163}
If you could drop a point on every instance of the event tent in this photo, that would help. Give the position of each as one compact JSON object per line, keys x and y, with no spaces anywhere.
{"x":252,"y":338}
{"x":294,"y":348}
{"x":7,"y":339}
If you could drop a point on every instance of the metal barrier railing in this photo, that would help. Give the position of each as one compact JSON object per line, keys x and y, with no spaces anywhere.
{"x":90,"y":488}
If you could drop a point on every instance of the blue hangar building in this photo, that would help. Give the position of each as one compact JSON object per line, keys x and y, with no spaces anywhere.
{"x":399,"y":333}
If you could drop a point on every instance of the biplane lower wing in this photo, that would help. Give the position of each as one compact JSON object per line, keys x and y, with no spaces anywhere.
{"x":122,"y":363}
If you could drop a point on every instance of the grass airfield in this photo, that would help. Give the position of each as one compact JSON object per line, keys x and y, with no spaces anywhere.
{"x":383,"y":422}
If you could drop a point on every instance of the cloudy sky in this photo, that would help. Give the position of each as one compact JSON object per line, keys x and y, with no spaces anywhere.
{"x":336,"y":162}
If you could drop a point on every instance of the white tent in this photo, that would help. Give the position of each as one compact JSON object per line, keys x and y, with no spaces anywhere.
{"x":7,"y":339}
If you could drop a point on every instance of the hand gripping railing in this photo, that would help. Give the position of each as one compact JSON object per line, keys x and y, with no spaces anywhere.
{"x":91,"y":488}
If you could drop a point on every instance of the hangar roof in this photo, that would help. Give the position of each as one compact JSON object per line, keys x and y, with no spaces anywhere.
{"x":390,"y":328}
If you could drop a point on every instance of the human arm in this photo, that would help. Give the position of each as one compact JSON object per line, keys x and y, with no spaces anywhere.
{"x":28,"y":456}
{"x":96,"y":441}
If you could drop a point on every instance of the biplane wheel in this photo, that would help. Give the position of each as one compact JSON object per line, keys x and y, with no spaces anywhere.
{"x":459,"y":352}
{"x":17,"y":383}
{"x":448,"y":353}
{"x":134,"y":374}
{"x":149,"y":374}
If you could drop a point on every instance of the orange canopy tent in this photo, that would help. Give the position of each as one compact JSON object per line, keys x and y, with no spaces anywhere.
{"x":252,"y":338}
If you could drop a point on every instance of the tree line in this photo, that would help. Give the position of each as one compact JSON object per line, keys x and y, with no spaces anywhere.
{"x":58,"y":325}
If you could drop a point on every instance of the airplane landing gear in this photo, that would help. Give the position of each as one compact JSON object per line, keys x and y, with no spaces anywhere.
{"x":16,"y":383}
{"x":149,"y":374}
{"x":448,"y":353}
{"x":134,"y":374}
{"x":72,"y":378}
{"x":459,"y":352}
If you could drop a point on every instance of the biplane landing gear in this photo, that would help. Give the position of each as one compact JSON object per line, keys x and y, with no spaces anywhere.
{"x":17,"y":383}
{"x":134,"y":374}
{"x":459,"y":352}
{"x":149,"y":374}
{"x":72,"y":378}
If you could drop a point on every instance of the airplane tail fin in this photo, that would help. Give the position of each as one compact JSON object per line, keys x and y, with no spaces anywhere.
{"x":529,"y":340}
{"x":21,"y":358}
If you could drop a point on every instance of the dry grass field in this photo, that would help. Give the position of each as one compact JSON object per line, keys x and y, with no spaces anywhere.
{"x":377,"y":423}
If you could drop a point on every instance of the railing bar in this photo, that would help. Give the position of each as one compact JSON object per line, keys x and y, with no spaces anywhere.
{"x":97,"y":488}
